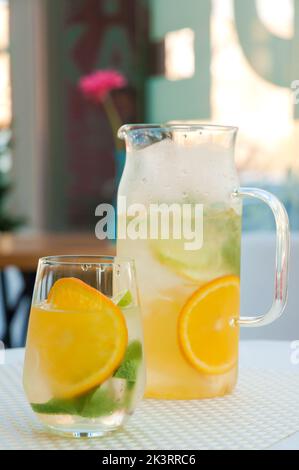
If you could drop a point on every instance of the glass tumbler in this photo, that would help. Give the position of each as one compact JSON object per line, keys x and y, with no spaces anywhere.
{"x":84,"y":368}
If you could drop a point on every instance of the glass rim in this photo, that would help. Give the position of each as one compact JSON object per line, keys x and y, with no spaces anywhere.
{"x":176,"y":126}
{"x":91,"y":260}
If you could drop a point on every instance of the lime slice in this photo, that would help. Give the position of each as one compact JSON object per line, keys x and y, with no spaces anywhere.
{"x":219,"y":254}
{"x":124,"y":299}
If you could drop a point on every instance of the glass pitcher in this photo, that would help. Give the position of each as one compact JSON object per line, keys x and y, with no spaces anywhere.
{"x":190,"y":288}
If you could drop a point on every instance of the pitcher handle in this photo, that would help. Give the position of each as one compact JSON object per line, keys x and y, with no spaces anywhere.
{"x":282,"y":255}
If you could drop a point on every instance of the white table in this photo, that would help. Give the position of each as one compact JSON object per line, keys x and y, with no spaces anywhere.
{"x":262,"y":413}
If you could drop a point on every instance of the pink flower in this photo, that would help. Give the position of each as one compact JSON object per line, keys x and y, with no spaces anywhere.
{"x":98,"y":85}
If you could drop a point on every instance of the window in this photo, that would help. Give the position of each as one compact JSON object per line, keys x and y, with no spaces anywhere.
{"x":248,"y":91}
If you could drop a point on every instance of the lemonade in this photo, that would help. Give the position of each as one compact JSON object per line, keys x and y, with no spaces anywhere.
{"x":83,"y":371}
{"x":189,"y":297}
{"x":169,"y":278}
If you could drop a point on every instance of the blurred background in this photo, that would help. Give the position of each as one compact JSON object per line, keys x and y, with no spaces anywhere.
{"x":221,"y":61}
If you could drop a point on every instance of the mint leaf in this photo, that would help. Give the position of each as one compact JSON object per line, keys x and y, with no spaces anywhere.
{"x":128,"y":371}
{"x":126,"y":300}
{"x":134,"y":351}
{"x":100,"y":403}
{"x":57,"y":406}
{"x":129,"y":367}
{"x":93,"y":404}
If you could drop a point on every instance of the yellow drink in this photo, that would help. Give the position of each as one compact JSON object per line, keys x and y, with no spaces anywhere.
{"x":169,"y":276}
{"x":83,"y":371}
{"x":190,"y":292}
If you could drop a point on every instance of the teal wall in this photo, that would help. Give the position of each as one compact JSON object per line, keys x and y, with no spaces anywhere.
{"x":181,"y":99}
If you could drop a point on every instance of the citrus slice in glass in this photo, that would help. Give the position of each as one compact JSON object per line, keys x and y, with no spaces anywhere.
{"x":207,"y":328}
{"x":79,"y":335}
{"x":218,"y":256}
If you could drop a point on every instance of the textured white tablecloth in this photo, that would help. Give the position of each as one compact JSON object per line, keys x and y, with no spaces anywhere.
{"x":262,"y":413}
